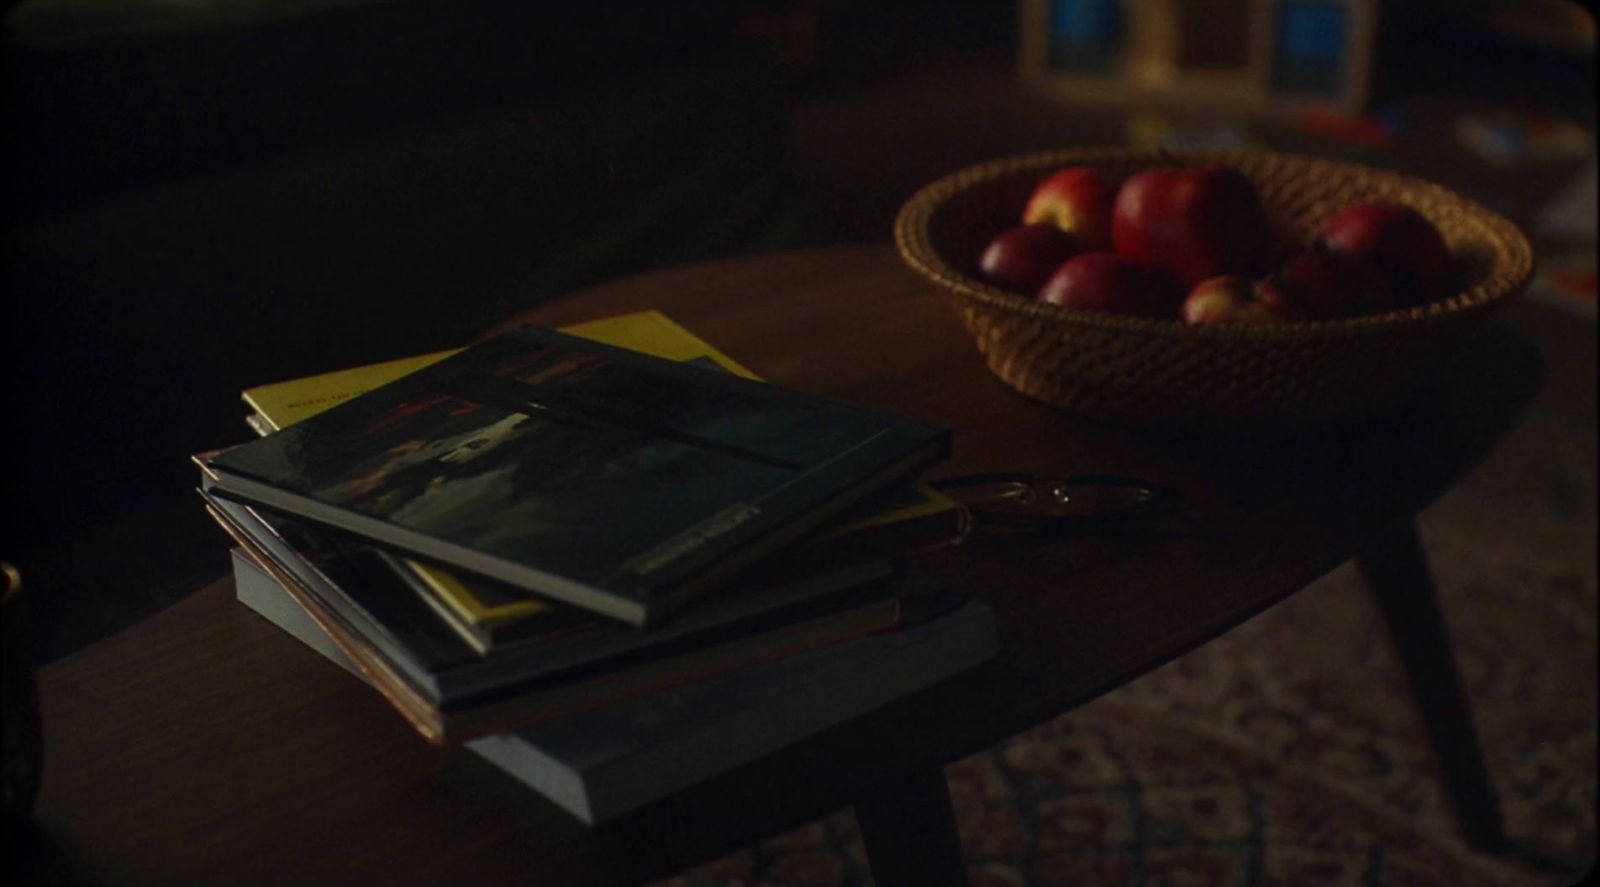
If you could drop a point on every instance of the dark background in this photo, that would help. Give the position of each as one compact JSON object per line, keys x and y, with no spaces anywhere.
{"x":203,"y":197}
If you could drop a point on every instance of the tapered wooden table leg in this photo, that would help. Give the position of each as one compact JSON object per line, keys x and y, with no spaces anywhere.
{"x":909,"y":829}
{"x":1397,"y":570}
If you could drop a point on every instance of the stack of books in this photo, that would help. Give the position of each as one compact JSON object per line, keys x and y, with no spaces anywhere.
{"x":607,"y":559}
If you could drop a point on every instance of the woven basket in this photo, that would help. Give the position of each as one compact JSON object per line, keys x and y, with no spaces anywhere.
{"x":1163,"y":373}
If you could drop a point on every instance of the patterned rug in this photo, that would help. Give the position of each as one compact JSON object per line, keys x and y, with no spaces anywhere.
{"x":1289,"y":751}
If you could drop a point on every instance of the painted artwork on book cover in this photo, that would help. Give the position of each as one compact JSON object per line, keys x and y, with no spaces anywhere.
{"x":599,"y":468}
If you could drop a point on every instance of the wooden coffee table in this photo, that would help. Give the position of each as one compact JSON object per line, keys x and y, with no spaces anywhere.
{"x":204,"y":746}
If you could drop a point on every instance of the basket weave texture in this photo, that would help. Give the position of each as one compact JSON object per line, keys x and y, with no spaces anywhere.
{"x":1163,"y":373}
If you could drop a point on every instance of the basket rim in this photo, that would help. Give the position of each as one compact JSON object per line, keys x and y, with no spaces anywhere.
{"x":1508,"y":277}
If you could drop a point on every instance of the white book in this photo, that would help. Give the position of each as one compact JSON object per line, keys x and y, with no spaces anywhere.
{"x":605,"y":762}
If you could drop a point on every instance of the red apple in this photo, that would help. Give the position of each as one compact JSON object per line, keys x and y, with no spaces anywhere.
{"x":1111,"y":283}
{"x":1022,"y":258}
{"x":1194,"y":222}
{"x":1078,"y":200}
{"x":1232,"y":298}
{"x":1323,"y":286}
{"x":1404,"y":245}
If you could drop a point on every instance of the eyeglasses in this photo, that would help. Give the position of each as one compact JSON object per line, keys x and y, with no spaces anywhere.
{"x":1056,"y":502}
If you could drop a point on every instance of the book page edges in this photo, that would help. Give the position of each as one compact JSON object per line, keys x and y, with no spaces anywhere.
{"x":372,"y":667}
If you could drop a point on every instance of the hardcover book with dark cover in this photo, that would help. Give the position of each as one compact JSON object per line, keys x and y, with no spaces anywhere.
{"x":603,"y":762}
{"x":606,"y":478}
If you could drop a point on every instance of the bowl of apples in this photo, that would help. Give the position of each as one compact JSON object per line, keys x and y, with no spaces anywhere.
{"x":1222,"y":289}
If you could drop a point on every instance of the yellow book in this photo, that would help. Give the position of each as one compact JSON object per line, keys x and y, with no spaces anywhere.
{"x":282,"y":404}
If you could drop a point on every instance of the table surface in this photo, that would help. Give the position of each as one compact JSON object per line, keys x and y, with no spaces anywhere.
{"x":204,"y":746}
